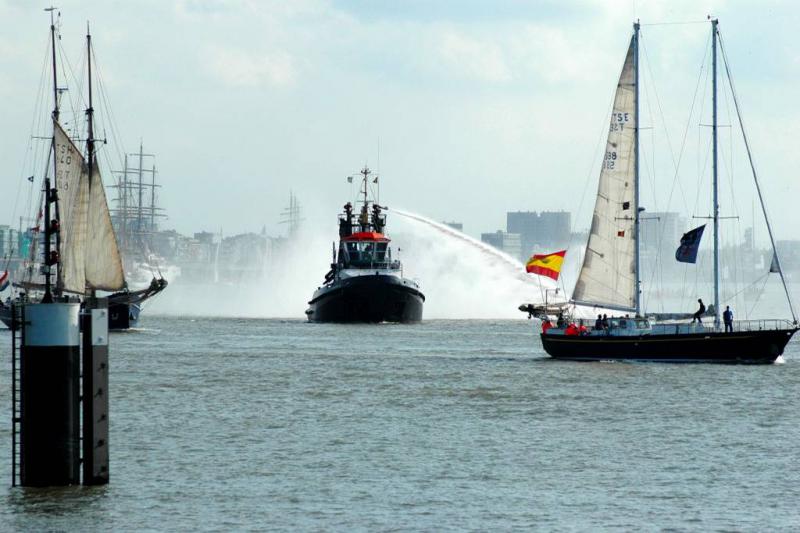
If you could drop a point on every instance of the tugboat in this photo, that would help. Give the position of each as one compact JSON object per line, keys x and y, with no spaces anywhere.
{"x":364,"y":283}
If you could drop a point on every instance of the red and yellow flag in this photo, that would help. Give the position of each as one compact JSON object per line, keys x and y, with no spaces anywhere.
{"x":546,"y":264}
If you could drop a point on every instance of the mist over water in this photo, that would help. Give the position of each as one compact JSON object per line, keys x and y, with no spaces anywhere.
{"x":460,"y":276}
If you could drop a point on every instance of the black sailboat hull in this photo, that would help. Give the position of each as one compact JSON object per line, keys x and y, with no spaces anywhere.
{"x":753,"y":347}
{"x":370,"y":299}
{"x":123,"y":316}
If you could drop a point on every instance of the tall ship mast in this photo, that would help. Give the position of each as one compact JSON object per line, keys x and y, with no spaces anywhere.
{"x":136,"y":213}
{"x":364,"y":283}
{"x":610,"y":279}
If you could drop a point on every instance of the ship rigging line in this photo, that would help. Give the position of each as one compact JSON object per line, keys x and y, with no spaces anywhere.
{"x":755,"y":177}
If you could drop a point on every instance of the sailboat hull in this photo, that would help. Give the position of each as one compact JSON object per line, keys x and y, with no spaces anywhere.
{"x":745,"y":347}
{"x":371,"y":299}
{"x":123,"y":316}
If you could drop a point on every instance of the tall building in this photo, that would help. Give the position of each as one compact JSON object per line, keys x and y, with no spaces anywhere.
{"x":540,"y":232}
{"x":9,"y":238}
{"x":661,"y":232}
{"x":509,"y":243}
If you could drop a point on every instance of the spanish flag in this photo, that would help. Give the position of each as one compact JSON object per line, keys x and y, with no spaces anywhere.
{"x":546,"y":264}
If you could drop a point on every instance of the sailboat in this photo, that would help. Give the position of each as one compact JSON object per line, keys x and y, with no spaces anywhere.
{"x":609,"y":278}
{"x":79,"y":243}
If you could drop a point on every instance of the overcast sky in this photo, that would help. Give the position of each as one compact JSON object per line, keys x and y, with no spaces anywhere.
{"x":479,"y":107}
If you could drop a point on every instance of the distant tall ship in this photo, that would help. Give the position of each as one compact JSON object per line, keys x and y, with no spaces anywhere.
{"x":135,"y":222}
{"x":365,"y":284}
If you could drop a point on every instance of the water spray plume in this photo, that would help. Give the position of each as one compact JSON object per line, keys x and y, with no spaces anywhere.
{"x":461,"y":276}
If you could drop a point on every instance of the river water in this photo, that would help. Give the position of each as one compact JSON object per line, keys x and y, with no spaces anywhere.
{"x":447,"y":425}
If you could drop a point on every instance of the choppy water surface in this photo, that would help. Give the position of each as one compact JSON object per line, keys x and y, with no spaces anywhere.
{"x":447,"y":425}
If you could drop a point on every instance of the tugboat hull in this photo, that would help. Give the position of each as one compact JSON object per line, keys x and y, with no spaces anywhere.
{"x":748,"y":347}
{"x":370,"y":299}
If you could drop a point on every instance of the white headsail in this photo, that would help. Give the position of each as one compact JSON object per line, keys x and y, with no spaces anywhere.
{"x":103,"y":262}
{"x":71,"y":184}
{"x":608,"y":277}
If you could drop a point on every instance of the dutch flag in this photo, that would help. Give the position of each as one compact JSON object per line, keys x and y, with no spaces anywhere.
{"x":3,"y":280}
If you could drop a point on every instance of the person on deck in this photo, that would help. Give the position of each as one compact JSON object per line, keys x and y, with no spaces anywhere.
{"x":605,"y":322}
{"x":699,"y":312}
{"x":598,"y":324}
{"x":727,"y":317}
{"x":560,"y":321}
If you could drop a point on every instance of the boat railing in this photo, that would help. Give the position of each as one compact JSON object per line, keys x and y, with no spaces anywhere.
{"x":762,"y":325}
{"x":391,"y":265}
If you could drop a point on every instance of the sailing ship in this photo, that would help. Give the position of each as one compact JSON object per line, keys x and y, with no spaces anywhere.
{"x":610,"y":275}
{"x":135,"y":222}
{"x":79,"y":243}
{"x":364,"y":283}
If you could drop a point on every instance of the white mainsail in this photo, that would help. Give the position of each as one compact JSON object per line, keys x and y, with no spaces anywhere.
{"x":89,"y":256}
{"x":70,"y":182}
{"x":608,"y":277}
{"x":103,"y":261}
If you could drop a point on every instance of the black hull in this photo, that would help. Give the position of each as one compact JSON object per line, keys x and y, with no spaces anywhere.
{"x":752,"y":347}
{"x":369,"y":299}
{"x":123,"y":316}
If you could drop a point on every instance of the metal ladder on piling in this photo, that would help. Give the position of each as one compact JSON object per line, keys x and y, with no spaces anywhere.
{"x":16,"y":393}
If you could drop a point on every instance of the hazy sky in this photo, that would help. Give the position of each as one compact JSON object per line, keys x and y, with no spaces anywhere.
{"x":479,"y":107}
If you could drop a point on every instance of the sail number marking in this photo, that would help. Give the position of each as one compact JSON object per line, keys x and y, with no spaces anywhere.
{"x":618,"y":121}
{"x":65,"y":153}
{"x":610,"y":160}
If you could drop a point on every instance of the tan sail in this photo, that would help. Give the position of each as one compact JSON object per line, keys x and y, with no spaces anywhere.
{"x":103,"y":265}
{"x":71,"y":185}
{"x":607,"y":277}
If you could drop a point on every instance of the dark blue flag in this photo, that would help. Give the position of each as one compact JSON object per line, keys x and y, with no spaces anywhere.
{"x":690,"y":243}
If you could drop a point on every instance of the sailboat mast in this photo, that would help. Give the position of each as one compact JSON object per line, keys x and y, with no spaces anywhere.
{"x":715,"y":170}
{"x":89,"y":110}
{"x":90,"y":157}
{"x":48,"y":193}
{"x":636,"y":211}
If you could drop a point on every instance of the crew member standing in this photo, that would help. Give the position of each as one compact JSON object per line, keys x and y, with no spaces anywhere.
{"x":727,"y":317}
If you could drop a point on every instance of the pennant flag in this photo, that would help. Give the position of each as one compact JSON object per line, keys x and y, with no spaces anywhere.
{"x":774,"y":268}
{"x":546,"y":264}
{"x":3,"y":280}
{"x":690,"y":243}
